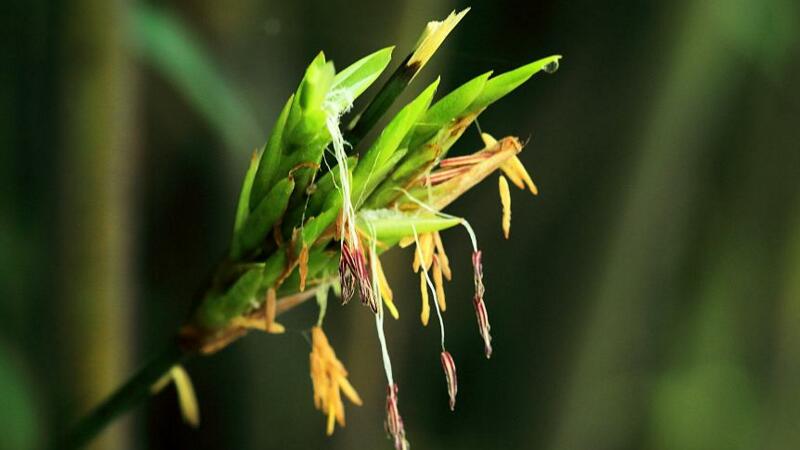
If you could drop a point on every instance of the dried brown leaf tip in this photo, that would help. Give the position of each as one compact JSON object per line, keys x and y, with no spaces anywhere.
{"x":329,"y":381}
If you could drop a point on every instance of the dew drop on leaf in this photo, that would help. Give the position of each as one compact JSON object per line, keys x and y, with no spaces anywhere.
{"x":551,"y":67}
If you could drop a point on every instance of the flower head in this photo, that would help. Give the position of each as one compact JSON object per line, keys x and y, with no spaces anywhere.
{"x":393,"y":192}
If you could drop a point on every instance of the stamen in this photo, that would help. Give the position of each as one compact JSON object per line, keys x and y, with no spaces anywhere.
{"x":425,"y":294}
{"x":425,"y":313}
{"x":516,"y":172}
{"x":352,"y":270}
{"x":387,"y":363}
{"x":488,"y":140}
{"x":480,"y":307}
{"x":439,"y":282}
{"x":444,"y":262}
{"x":394,"y":423}
{"x":187,"y":400}
{"x":425,"y":255}
{"x":383,"y":285}
{"x":186,"y":396}
{"x":505,"y":200}
{"x":303,"y":267}
{"x":329,"y":379}
{"x":449,"y":367}
{"x":270,"y":325}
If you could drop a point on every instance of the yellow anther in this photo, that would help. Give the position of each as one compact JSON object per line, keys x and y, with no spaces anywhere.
{"x":488,"y":140}
{"x":505,"y":200}
{"x":302,"y":262}
{"x":187,"y":400}
{"x":439,"y":282}
{"x":425,"y":247}
{"x":386,"y":291}
{"x":425,"y":314}
{"x":444,"y":262}
{"x":270,"y":325}
{"x":329,"y":381}
{"x":516,"y":172}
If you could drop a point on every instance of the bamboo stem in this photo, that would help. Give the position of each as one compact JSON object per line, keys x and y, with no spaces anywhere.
{"x":126,"y":397}
{"x":137,"y":389}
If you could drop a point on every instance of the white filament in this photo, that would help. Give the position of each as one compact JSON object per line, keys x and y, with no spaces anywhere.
{"x":461,"y":220}
{"x":334,"y":109}
{"x":387,"y":363}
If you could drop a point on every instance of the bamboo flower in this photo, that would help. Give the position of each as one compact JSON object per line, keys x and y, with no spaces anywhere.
{"x":329,"y":381}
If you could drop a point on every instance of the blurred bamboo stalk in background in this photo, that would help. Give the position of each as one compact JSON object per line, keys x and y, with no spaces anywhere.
{"x":784,"y":396}
{"x":98,"y":157}
{"x":603,"y":399}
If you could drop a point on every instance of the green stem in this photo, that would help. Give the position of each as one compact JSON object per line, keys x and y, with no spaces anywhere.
{"x":127,"y":396}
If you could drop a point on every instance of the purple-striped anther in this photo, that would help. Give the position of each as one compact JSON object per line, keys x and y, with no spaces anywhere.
{"x":352,"y":271}
{"x":450,"y":374}
{"x":480,"y":306}
{"x":394,"y":423}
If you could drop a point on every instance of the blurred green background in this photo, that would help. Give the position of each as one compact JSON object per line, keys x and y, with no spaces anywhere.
{"x":649,"y":298}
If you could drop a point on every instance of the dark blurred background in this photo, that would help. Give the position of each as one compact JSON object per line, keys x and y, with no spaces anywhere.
{"x":649,"y":298}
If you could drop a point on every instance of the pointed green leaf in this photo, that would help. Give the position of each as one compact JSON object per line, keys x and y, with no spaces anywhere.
{"x":355,"y":79}
{"x":390,"y":138}
{"x":448,"y":108}
{"x":499,"y":86}
{"x":243,"y":205}
{"x":377,"y":177}
{"x":260,"y":222}
{"x":270,"y":157}
{"x":391,"y":225}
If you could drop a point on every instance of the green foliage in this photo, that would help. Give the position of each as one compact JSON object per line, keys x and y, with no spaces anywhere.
{"x":260,"y":222}
{"x":270,"y":157}
{"x":376,"y":158}
{"x":355,"y":79}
